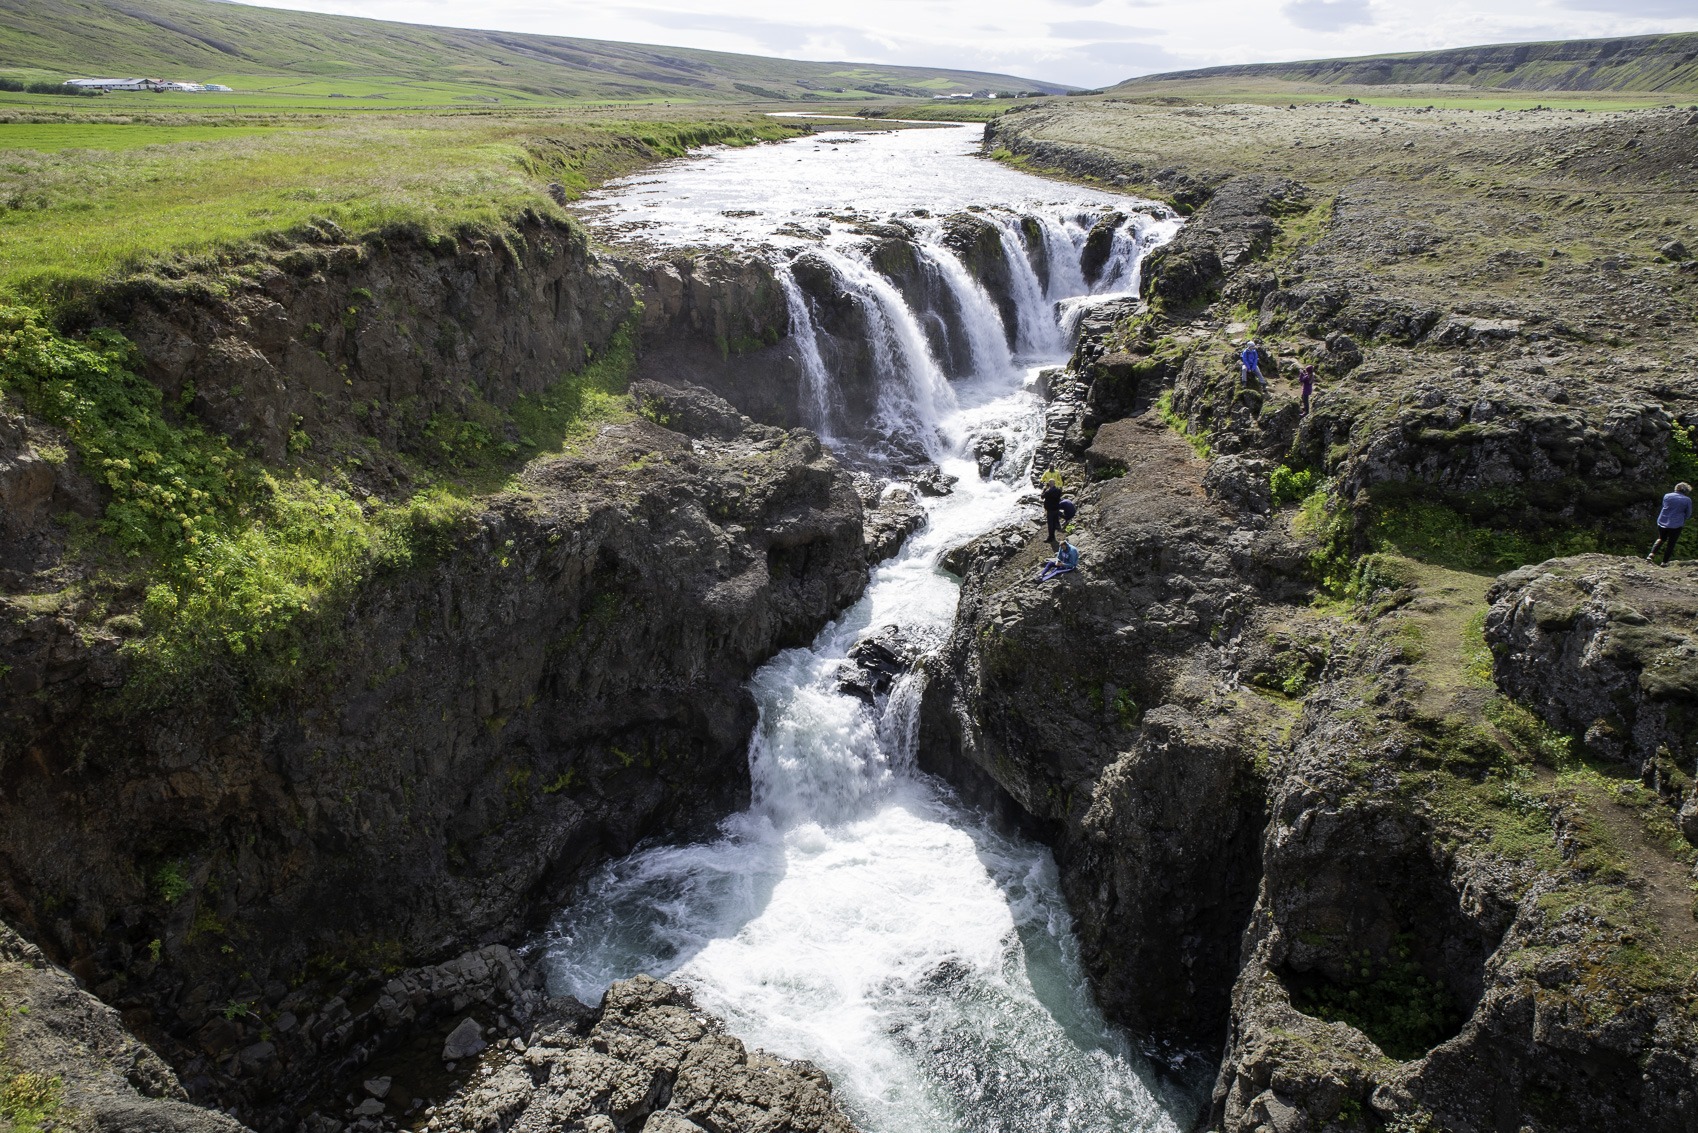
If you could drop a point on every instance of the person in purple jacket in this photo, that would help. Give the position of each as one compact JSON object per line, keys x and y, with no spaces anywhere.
{"x":1677,"y":509}
{"x":1306,"y":384}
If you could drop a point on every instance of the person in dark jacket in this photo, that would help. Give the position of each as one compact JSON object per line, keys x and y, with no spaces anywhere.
{"x":1052,"y":506}
{"x":1065,"y":562}
{"x":1306,"y":385}
{"x":1677,"y":509}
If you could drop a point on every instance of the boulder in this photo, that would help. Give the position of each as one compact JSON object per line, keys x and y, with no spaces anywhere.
{"x":463,"y":1041}
{"x":874,"y":664}
{"x":654,"y":1061}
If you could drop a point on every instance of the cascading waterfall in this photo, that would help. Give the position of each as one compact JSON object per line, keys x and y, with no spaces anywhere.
{"x":981,"y":321}
{"x":1038,"y":335}
{"x":815,"y":380}
{"x":1062,"y":244}
{"x":857,"y":914}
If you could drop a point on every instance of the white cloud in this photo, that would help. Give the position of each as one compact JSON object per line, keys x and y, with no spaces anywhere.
{"x":1328,"y":15}
{"x":1096,"y":29}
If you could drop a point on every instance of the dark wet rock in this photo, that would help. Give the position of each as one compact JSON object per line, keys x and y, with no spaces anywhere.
{"x":719,"y":322}
{"x":688,"y":409}
{"x":874,"y":664}
{"x":988,"y":451}
{"x":652,"y":1060}
{"x":1099,"y":244}
{"x":932,"y":481}
{"x":893,"y":515}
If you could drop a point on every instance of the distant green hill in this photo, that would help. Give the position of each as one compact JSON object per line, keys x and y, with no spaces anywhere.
{"x":1650,"y":63}
{"x":313,"y":56}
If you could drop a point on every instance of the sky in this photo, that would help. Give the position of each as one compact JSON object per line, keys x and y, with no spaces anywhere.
{"x":1084,"y":43}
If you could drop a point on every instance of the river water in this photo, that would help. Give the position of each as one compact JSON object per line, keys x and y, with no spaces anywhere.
{"x":857,"y":914}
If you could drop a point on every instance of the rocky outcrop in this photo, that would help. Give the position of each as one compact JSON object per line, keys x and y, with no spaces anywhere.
{"x":40,"y":477}
{"x":720,"y":322}
{"x":336,"y":336}
{"x":1603,"y":647}
{"x":71,"y":1054}
{"x":1236,"y":225}
{"x":564,"y":680}
{"x":1424,"y":956}
{"x":648,"y":1060}
{"x":1084,"y":701}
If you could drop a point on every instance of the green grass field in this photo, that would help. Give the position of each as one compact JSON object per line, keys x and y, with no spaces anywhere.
{"x":53,"y":137}
{"x":80,"y":202}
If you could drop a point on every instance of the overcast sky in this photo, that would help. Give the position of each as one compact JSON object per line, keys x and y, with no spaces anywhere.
{"x":1082,"y":42}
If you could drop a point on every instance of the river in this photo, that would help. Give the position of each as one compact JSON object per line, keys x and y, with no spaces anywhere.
{"x":857,"y":914}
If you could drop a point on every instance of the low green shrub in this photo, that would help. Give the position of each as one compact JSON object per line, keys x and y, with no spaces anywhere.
{"x":1289,"y":484}
{"x":1683,"y":457}
{"x":1388,"y":999}
{"x":16,"y":87}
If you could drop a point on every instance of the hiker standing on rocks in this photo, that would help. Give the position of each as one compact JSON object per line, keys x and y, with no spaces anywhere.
{"x":1306,"y":385}
{"x":1251,"y":360}
{"x":1052,"y":505}
{"x":1677,"y":509}
{"x":1066,"y":561}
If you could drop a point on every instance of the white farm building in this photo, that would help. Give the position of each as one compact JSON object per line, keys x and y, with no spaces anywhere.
{"x":143,"y":84}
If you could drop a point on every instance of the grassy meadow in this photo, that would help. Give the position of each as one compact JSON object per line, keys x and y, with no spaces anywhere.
{"x":82,"y":199}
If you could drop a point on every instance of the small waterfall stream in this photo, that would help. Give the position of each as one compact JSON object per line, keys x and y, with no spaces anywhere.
{"x":857,"y":914}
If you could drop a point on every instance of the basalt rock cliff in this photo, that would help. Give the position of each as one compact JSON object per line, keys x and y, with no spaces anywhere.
{"x":1407,"y":848}
{"x":554,"y":676}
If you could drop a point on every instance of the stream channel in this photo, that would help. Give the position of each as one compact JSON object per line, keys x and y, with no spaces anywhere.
{"x":857,"y":914}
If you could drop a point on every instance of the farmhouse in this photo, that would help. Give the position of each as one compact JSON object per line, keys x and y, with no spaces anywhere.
{"x":143,"y":85}
{"x":111,"y":84}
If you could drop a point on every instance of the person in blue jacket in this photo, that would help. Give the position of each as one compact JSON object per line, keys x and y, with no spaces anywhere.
{"x":1677,"y":509}
{"x":1065,"y":562}
{"x":1251,"y":360}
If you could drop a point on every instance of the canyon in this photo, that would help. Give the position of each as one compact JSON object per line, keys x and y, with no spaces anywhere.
{"x":1295,"y":808}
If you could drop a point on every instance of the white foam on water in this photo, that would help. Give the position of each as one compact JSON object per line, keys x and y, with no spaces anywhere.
{"x":857,"y":914}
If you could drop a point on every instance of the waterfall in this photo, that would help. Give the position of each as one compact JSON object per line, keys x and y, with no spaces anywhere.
{"x":1037,"y":329}
{"x":913,"y":394}
{"x":933,"y":322}
{"x":1063,"y":243}
{"x":816,"y":382}
{"x":857,"y":914}
{"x":981,"y":322}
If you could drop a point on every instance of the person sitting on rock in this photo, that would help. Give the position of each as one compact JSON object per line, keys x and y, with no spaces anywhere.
{"x":1052,"y":504}
{"x":1677,"y":509}
{"x":1065,"y":562}
{"x":1251,"y":360}
{"x":1306,"y":386}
